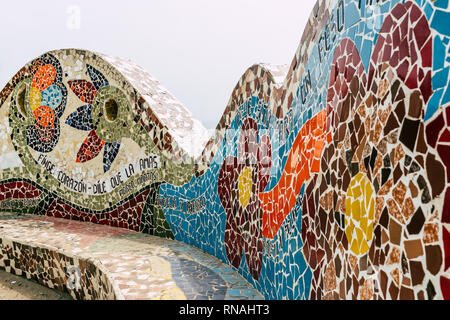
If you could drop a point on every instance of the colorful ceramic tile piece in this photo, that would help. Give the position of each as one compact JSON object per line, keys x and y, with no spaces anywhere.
{"x":81,"y":119}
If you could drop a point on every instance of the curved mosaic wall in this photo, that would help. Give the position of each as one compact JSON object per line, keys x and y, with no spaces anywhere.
{"x":324,"y":180}
{"x":79,"y":141}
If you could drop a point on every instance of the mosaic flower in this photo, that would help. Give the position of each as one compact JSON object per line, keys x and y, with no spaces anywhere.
{"x":82,"y":119}
{"x":47,"y":101}
{"x":240,"y":181}
{"x":371,"y":207}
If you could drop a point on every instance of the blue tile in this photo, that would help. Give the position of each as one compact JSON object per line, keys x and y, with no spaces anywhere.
{"x":438,"y":54}
{"x":358,"y":41}
{"x":440,"y":22}
{"x":110,"y":153}
{"x":446,"y":97}
{"x":428,"y":11}
{"x":366,"y":53}
{"x":433,"y":104}
{"x":98,"y":79}
{"x":352,"y":15}
{"x":385,"y":7}
{"x":441,"y":4}
{"x":440,"y":79}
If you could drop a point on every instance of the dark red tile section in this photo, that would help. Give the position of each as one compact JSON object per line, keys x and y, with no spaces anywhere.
{"x":18,"y":190}
{"x":445,"y":287}
{"x":127,"y":216}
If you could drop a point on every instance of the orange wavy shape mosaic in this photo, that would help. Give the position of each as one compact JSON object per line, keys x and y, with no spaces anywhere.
{"x":303,"y":159}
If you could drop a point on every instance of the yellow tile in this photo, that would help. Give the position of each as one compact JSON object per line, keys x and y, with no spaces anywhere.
{"x":245,"y":186}
{"x":359,"y":176}
{"x":364,"y":246}
{"x":356,"y":210}
{"x":369,"y":232}
{"x":356,"y":191}
{"x":368,"y":192}
{"x":363,"y":223}
{"x":348,"y":207}
{"x":349,"y":231}
{"x":354,"y":247}
{"x":359,"y":234}
{"x":35,"y":98}
{"x":349,"y":191}
{"x":372,"y":210}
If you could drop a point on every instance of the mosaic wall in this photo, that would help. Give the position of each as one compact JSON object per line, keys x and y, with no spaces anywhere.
{"x":80,"y":141}
{"x":327,"y":179}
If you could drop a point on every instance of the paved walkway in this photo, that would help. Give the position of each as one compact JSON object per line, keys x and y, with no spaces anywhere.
{"x":139,"y":265}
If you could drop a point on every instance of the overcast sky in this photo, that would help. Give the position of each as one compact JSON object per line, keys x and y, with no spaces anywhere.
{"x":197,"y":49}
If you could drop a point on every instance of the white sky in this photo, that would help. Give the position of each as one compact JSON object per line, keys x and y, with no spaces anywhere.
{"x":197,"y":49}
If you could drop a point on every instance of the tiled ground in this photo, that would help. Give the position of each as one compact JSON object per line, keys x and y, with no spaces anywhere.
{"x":139,"y":266}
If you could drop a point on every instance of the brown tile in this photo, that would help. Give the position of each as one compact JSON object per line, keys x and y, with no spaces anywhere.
{"x":399,"y":192}
{"x":414,"y":191}
{"x":413,"y":248}
{"x":342,"y":290}
{"x":406,"y":281}
{"x":394,"y":256}
{"x":406,"y":294}
{"x":431,"y":233}
{"x":395,"y":274}
{"x":415,"y":104}
{"x":417,"y":273}
{"x":330,"y":278}
{"x":386,"y":188}
{"x":366,"y":290}
{"x":395,"y":232}
{"x":384,"y":218}
{"x":433,"y":258}
{"x":416,"y":223}
{"x":393,"y":291}
{"x":408,"y":208}
{"x":338,"y":265}
{"x":394,"y":210}
{"x":383,"y":283}
{"x":436,"y":175}
{"x":421,"y":295}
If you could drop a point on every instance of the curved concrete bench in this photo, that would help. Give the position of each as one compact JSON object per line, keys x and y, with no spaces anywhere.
{"x":325,"y":180}
{"x":91,"y":261}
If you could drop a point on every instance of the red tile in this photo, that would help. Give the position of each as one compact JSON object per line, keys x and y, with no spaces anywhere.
{"x":398,"y":11}
{"x":422,"y":32}
{"x":446,"y":240}
{"x":415,"y":14}
{"x":444,"y":153}
{"x":445,"y":288}
{"x":427,"y":54}
{"x":446,"y":210}
{"x":402,"y":70}
{"x":433,"y":130}
{"x":447,"y":114}
{"x":387,"y":25}
{"x":445,"y":136}
{"x":411,"y":82}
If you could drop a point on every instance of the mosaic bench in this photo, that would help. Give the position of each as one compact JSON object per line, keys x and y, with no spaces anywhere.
{"x":325,"y":179}
{"x":92,"y":262}
{"x":51,"y":266}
